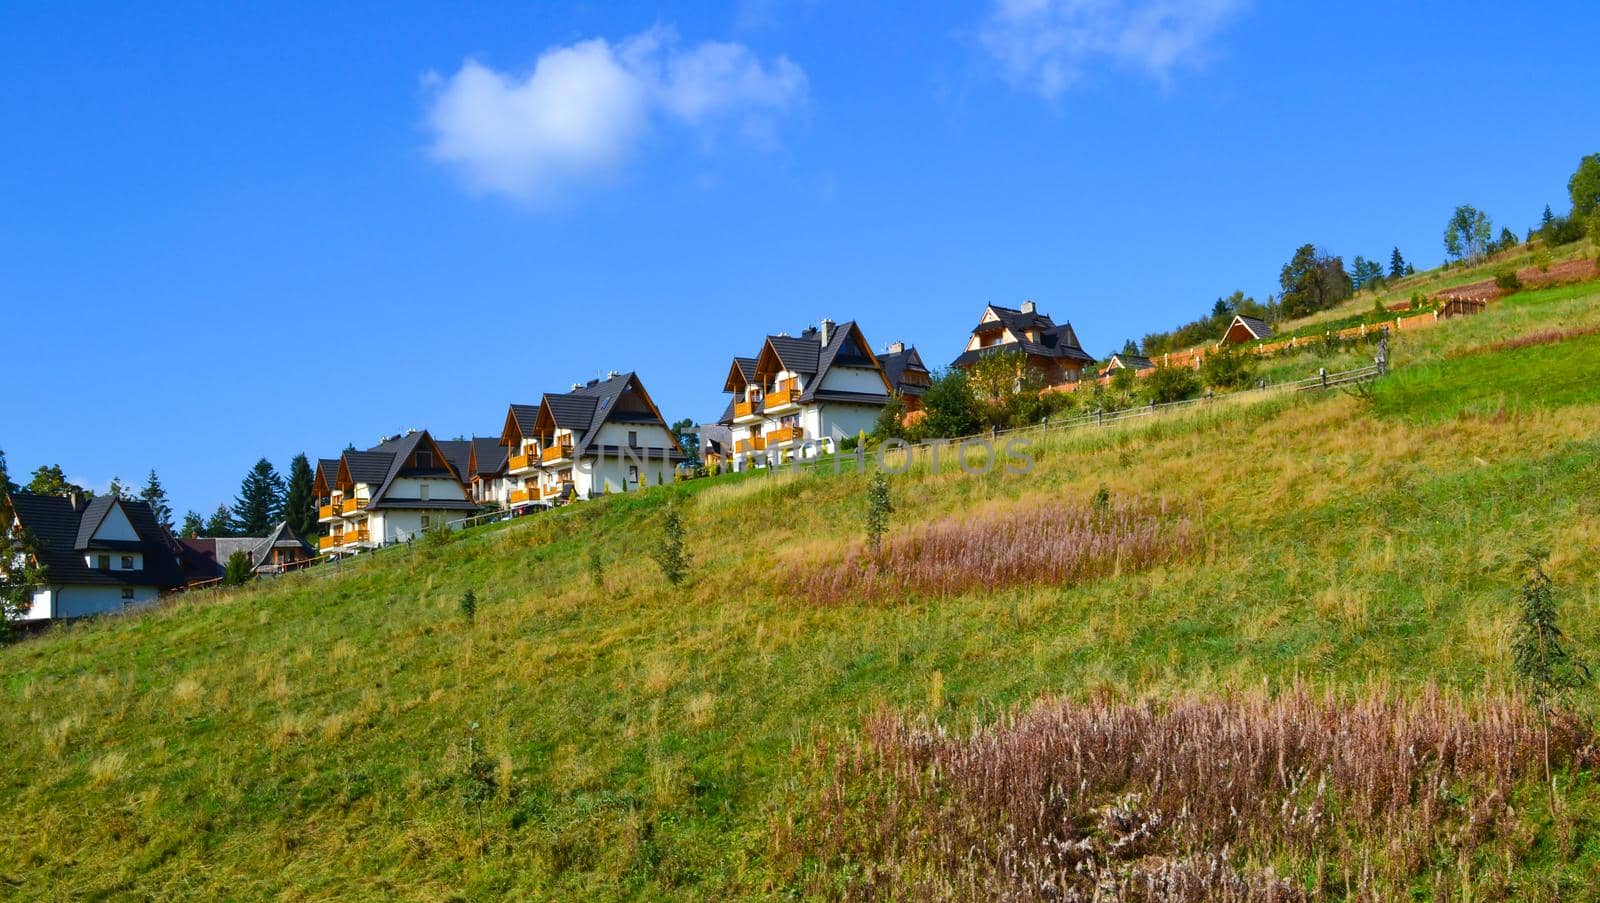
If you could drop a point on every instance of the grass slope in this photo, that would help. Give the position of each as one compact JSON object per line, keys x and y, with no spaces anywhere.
{"x":351,"y":735}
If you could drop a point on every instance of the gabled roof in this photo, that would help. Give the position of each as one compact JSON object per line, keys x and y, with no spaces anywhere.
{"x":740,"y":374}
{"x":327,"y":476}
{"x":380,"y":465}
{"x":896,"y":364}
{"x":1257,"y":328}
{"x":522,"y":421}
{"x":1055,"y":340}
{"x":206,"y":557}
{"x":488,"y":457}
{"x":585,"y":409}
{"x":808,"y":356}
{"x":57,"y":527}
{"x":1120,"y":361}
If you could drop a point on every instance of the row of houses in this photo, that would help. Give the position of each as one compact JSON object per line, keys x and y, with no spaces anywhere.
{"x":797,"y":395}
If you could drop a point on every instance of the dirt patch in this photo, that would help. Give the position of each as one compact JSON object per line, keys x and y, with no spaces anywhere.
{"x":1532,"y":277}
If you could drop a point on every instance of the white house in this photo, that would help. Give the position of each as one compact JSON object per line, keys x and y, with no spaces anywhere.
{"x":801,"y":393}
{"x":391,"y":492}
{"x":99,"y":556}
{"x":606,"y":435}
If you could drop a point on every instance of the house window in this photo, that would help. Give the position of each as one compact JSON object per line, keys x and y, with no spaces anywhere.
{"x":633,"y":473}
{"x":127,"y":594}
{"x":424,"y":521}
{"x":424,"y":491}
{"x":103,"y":562}
{"x":633,"y":438}
{"x":127,"y":562}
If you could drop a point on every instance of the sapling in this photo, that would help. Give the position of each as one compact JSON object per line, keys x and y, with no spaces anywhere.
{"x":597,"y":567}
{"x":469,"y":606}
{"x":879,"y":507}
{"x":1539,"y":654}
{"x":669,"y":553}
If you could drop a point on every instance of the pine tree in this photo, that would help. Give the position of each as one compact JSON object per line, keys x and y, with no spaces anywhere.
{"x":156,"y":497}
{"x":1539,"y":653}
{"x":192,"y":525}
{"x":1397,"y":265}
{"x":260,"y":502}
{"x":1547,"y":218}
{"x":300,"y":507}
{"x":6,"y":486}
{"x":221,"y":522}
{"x":238,"y":570}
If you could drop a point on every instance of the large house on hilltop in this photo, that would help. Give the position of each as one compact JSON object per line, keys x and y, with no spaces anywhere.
{"x":801,"y":392}
{"x":906,"y":372}
{"x":99,"y":556}
{"x":605,"y":435}
{"x":389,"y":493}
{"x":1053,"y":350}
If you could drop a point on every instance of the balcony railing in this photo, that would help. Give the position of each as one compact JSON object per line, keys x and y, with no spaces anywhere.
{"x":742,"y":409}
{"x":748,"y":445}
{"x":786,"y":434}
{"x":327,"y":542}
{"x":787,"y":394}
{"x":350,"y":506}
{"x":327,"y":512}
{"x":557,"y":452}
{"x":521,"y":496}
{"x":352,"y":537}
{"x":524,"y":462}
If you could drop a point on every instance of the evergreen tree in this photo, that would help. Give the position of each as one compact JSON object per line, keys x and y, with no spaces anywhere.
{"x":118,"y":489}
{"x":300,"y":507}
{"x":1547,"y":218}
{"x":1508,"y":239}
{"x":192,"y":525}
{"x":1130,"y":347}
{"x":238,"y":570}
{"x":51,"y":481}
{"x":221,"y":522}
{"x":260,"y":502}
{"x":1397,"y":265}
{"x":1539,"y":653}
{"x":6,"y":486}
{"x":156,"y":497}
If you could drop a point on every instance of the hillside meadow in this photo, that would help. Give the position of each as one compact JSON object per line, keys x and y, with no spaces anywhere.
{"x":350,"y":734}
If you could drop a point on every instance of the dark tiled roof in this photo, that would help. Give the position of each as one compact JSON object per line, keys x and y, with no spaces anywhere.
{"x":328,"y":472}
{"x":368,"y":467}
{"x":489,"y":457}
{"x":571,"y":411}
{"x":527,"y":418}
{"x":896,"y":364}
{"x":1258,"y":328}
{"x":809,"y":357}
{"x":1058,"y":341}
{"x":458,"y":452}
{"x":1130,"y":361}
{"x":57,"y":529}
{"x":586,"y":408}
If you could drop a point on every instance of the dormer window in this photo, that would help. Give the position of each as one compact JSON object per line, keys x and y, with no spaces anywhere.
{"x":102,"y":562}
{"x":127,"y":562}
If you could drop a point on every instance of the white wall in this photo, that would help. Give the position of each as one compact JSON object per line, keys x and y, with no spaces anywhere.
{"x":598,"y":475}
{"x":650,"y":435}
{"x":849,"y":419}
{"x":411,"y":488}
{"x":853,"y":379}
{"x":77,"y":601}
{"x":116,"y":526}
{"x":91,"y":557}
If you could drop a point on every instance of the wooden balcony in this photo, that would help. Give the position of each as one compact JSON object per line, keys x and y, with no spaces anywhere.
{"x":327,"y":513}
{"x":749,"y":445}
{"x":786,"y":396}
{"x":746,"y":410}
{"x":356,"y":537}
{"x":556,"y":452}
{"x":351,"y":506}
{"x":786,"y":435}
{"x":523,"y":462}
{"x":327,"y":542}
{"x":523,"y":496}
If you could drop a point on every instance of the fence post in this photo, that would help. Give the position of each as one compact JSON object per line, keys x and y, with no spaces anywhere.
{"x":1323,"y":372}
{"x":1383,"y":351}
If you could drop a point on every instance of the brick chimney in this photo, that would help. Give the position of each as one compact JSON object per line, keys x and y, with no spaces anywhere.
{"x":1027,"y":306}
{"x":896,"y":347}
{"x":827,"y":331}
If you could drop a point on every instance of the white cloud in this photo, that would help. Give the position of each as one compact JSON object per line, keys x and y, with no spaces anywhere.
{"x":585,"y":107}
{"x":1047,"y":45}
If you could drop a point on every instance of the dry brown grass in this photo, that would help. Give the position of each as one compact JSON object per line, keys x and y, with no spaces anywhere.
{"x":1243,"y":796}
{"x":1527,"y":340}
{"x":1053,"y":543}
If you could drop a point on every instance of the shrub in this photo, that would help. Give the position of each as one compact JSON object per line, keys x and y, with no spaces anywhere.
{"x":1563,"y":230}
{"x":951,"y":409}
{"x":1507,"y":279}
{"x":238,"y":569}
{"x":669,"y":553}
{"x":1228,"y":368}
{"x":1170,"y":384}
{"x":469,"y":606}
{"x":597,"y":567}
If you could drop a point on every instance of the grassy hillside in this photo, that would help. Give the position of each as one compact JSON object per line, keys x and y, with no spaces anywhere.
{"x":351,"y":734}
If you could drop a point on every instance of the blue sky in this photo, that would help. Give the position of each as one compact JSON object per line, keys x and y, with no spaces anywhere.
{"x":228,"y":232}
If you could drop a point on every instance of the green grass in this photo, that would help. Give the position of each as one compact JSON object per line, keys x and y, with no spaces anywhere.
{"x":307,"y":738}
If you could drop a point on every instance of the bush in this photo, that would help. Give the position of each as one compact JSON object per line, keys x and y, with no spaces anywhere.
{"x":952,"y":410}
{"x":1563,"y":230}
{"x":238,"y":570}
{"x":469,"y":606}
{"x":1228,"y":368}
{"x":1169,"y":384}
{"x":1507,"y":279}
{"x":669,"y":553}
{"x":879,"y":507}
